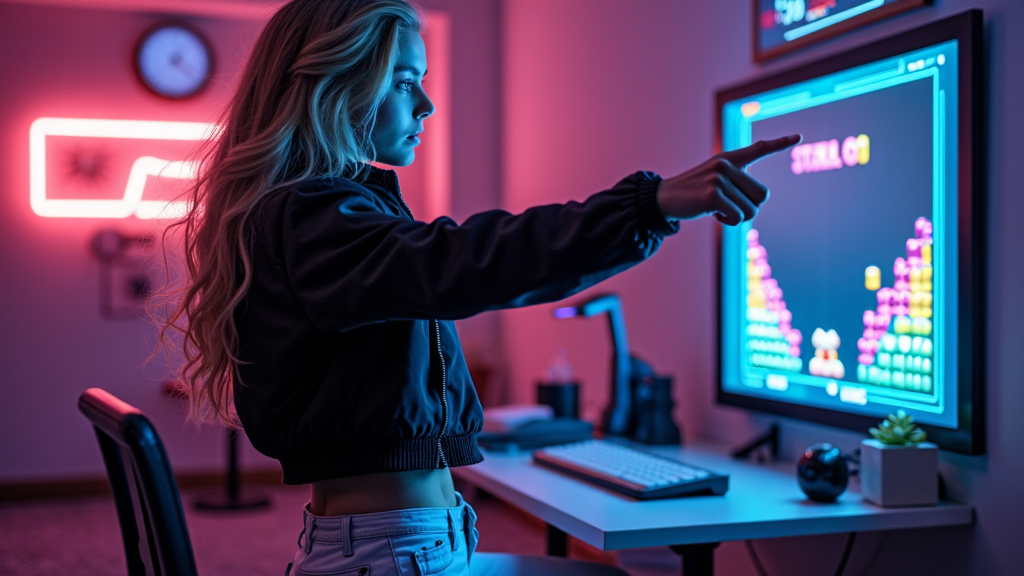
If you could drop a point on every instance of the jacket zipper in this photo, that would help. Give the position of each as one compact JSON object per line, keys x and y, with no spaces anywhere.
{"x":442,"y":460}
{"x":404,"y":205}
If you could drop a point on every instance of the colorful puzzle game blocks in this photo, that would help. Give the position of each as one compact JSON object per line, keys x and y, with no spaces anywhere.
{"x":772,"y":342}
{"x":896,"y":347}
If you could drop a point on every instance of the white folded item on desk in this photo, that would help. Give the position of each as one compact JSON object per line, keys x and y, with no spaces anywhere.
{"x":505,"y":419}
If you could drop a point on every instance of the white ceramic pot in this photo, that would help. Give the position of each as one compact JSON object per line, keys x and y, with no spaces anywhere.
{"x":899,"y":475}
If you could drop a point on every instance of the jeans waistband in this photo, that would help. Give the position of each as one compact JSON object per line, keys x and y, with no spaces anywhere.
{"x":345,"y":529}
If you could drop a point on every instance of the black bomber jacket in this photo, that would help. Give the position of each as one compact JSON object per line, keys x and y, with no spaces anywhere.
{"x":350,"y":361}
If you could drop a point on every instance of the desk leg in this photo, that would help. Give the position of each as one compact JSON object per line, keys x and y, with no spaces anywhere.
{"x":558,"y":542}
{"x":698,"y":559}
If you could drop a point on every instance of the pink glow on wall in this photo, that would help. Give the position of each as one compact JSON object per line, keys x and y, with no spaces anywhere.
{"x":143,"y":135}
{"x":437,"y":37}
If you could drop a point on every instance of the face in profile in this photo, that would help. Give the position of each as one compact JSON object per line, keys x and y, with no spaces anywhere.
{"x":400,"y":118}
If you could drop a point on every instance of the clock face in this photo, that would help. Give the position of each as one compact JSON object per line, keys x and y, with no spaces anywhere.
{"x":173,"y":61}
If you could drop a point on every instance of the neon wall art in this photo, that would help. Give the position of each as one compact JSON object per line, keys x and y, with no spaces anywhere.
{"x":117,"y":169}
{"x":94,"y":168}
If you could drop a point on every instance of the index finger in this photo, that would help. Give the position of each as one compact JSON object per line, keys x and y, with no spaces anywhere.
{"x":744,"y":157}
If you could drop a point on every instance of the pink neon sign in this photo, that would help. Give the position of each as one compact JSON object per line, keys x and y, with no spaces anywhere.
{"x":136,"y":152}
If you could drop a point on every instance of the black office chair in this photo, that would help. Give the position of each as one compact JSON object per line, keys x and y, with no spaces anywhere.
{"x":156,"y":540}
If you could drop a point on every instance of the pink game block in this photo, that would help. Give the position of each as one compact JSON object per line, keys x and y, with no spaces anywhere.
{"x":867,"y":346}
{"x":882,"y":322}
{"x":899,"y":267}
{"x":869,"y":318}
{"x":913,"y":249}
{"x":923,"y":229}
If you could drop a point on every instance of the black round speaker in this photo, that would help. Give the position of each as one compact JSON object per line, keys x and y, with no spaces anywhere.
{"x":823,"y":472}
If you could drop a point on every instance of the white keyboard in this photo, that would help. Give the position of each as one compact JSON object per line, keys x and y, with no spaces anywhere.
{"x":630,"y":471}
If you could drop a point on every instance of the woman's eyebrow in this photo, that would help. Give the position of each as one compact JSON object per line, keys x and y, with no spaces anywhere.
{"x":412,"y":69}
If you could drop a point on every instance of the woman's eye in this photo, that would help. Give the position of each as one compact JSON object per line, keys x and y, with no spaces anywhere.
{"x":405,"y":85}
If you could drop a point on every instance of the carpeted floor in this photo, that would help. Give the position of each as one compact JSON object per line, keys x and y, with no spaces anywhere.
{"x":80,"y":536}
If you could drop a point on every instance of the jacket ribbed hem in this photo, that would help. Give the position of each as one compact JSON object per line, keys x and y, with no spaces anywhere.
{"x":366,"y":456}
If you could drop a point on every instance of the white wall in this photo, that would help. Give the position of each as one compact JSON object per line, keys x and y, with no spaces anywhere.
{"x":596,"y":89}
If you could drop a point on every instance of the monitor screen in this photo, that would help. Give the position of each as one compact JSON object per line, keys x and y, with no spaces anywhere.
{"x":842,"y":295}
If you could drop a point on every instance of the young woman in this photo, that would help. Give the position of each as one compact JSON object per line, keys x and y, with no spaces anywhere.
{"x":318,"y":313}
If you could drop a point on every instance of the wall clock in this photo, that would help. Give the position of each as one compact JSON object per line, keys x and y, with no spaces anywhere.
{"x":173,"y":61}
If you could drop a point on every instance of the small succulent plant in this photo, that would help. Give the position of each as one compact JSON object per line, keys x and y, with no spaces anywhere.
{"x":898,"y":429}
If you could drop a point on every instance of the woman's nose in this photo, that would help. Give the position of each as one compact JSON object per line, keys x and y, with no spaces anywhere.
{"x":424,"y":108}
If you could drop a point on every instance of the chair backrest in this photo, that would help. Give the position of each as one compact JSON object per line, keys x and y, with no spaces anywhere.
{"x":149,"y":508}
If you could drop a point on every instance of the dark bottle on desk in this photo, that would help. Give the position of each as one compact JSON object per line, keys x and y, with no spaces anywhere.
{"x":653,"y":406}
{"x":559,"y":390}
{"x":563,"y":397}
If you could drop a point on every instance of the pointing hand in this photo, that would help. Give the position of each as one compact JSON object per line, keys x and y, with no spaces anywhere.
{"x":721,"y":185}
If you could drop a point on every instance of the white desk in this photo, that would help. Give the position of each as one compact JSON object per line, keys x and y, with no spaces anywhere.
{"x":763,"y":501}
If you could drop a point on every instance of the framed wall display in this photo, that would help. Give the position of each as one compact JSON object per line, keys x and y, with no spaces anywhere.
{"x":782,"y":26}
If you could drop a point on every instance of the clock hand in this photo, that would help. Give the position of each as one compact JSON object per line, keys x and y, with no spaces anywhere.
{"x":178,"y":61}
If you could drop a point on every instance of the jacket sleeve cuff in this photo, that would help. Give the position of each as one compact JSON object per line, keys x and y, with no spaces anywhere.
{"x":649,"y":216}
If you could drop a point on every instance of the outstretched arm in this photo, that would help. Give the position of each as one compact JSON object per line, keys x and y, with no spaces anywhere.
{"x":350,"y":264}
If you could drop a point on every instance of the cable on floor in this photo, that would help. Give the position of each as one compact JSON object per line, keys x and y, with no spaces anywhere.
{"x":846,"y":554}
{"x":756,"y":561}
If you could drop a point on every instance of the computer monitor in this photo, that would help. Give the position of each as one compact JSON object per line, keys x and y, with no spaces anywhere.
{"x":857,"y":289}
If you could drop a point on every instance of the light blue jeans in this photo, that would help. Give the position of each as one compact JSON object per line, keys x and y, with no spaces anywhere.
{"x":416,"y":542}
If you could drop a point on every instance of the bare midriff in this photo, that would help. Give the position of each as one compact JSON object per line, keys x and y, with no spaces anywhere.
{"x":382,"y":492}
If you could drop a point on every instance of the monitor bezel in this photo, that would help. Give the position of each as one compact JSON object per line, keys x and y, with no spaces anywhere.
{"x":966,"y":28}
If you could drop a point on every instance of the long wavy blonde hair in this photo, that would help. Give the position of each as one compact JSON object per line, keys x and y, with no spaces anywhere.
{"x":305,"y":106}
